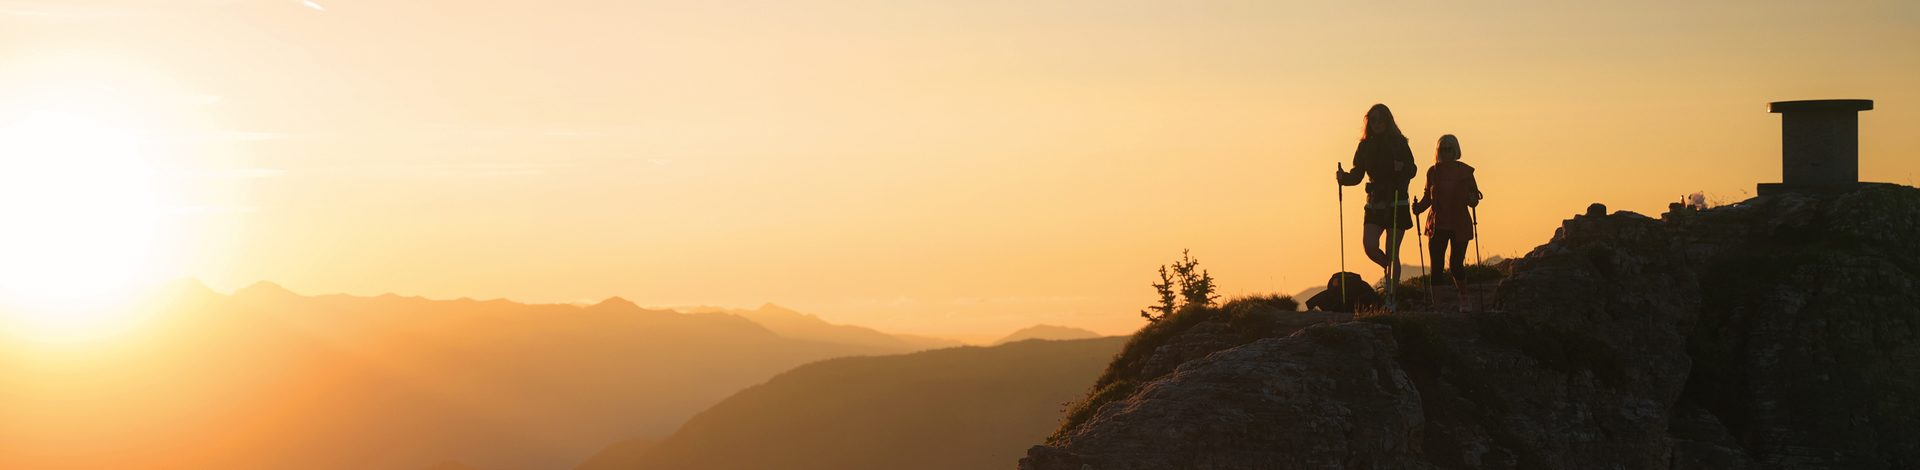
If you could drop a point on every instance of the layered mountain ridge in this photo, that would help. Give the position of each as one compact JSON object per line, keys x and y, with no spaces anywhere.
{"x":955,"y":408}
{"x":268,"y":378}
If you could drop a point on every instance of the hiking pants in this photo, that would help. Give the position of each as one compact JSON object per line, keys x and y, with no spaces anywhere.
{"x":1438,"y":245}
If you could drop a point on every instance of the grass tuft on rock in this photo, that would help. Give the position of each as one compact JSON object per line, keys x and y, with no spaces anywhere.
{"x":1251,"y":317}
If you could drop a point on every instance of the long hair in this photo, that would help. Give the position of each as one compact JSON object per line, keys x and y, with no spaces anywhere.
{"x":1447,"y":150}
{"x":1383,"y":117}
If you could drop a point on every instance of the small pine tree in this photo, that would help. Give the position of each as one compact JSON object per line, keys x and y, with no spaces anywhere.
{"x":1196,"y":285}
{"x":1195,"y":288}
{"x":1167,"y":298}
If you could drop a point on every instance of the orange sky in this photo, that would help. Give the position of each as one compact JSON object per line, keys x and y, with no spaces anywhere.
{"x":956,"y":168}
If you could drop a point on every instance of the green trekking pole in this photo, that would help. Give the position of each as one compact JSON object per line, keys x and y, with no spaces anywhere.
{"x":1341,"y":209}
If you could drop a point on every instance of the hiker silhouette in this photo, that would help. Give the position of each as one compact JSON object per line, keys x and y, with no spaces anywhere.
{"x":1386,"y":162}
{"x":1451,"y":190}
{"x":1358,"y":294}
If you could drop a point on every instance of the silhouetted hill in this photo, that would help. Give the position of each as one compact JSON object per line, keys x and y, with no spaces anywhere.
{"x":958,"y":408}
{"x":796,"y":325}
{"x":1778,"y":333}
{"x":266,"y":378}
{"x":1047,"y":332}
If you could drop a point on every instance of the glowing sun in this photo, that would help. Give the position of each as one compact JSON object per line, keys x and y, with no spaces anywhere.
{"x":78,"y":214}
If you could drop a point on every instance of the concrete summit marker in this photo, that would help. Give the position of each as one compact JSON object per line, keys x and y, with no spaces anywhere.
{"x":1819,"y":146}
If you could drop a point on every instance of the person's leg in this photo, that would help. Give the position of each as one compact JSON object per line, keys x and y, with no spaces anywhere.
{"x":1393,"y":259}
{"x":1437,"y":251}
{"x":1371,"y":240}
{"x":1458,"y":266}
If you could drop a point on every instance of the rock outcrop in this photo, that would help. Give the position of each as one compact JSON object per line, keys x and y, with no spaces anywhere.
{"x":1781,"y":332}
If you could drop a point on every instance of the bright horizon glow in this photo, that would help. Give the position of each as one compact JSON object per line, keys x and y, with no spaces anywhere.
{"x":916,"y":166}
{"x":80,"y":204}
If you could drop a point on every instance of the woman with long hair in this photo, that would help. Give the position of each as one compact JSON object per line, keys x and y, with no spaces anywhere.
{"x":1451,"y":190}
{"x":1386,"y":162}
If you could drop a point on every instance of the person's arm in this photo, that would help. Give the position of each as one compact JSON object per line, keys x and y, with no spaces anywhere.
{"x":1426,"y":195}
{"x":1353,"y":177}
{"x":1473,"y":191}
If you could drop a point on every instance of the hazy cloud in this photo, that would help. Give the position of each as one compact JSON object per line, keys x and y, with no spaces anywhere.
{"x":454,"y":130}
{"x":91,"y":9}
{"x":232,"y":173}
{"x":210,"y":210}
{"x":64,"y":10}
{"x":229,"y":136}
{"x":249,"y":136}
{"x":465,"y":170}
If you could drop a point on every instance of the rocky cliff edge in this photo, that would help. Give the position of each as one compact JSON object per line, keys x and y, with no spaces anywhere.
{"x":1780,"y":332}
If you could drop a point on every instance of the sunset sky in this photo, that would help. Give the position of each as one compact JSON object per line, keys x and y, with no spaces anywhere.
{"x":937,"y":167}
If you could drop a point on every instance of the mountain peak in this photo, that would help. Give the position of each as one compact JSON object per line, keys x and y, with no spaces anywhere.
{"x":770,"y":308}
{"x":264,"y":289}
{"x":188,"y":286}
{"x":1048,"y":332}
{"x":615,"y":303}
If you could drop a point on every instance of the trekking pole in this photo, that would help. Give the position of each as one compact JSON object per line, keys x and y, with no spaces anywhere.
{"x":1393,"y":247}
{"x":1341,"y":208}
{"x":1420,"y":249}
{"x":1481,"y":301}
{"x":1476,"y":236}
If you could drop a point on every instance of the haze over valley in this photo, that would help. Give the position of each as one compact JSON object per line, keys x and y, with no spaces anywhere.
{"x":266,"y":378}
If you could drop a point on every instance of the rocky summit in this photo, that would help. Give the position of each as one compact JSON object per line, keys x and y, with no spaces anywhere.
{"x":1782,"y":332}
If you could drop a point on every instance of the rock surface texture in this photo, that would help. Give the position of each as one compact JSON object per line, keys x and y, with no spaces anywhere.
{"x":1779,"y":333}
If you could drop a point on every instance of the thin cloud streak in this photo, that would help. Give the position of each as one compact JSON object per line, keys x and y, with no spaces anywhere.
{"x":231,"y":174}
{"x":111,"y":9}
{"x":229,"y":136}
{"x":210,"y":210}
{"x":448,"y":170}
{"x":48,"y":10}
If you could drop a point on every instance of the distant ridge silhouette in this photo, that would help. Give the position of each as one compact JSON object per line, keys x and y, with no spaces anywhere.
{"x":793,"y":324}
{"x":957,"y":408}
{"x":268,"y":378}
{"x":1053,"y":332}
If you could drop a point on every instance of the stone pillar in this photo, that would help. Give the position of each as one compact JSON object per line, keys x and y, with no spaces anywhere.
{"x":1819,"y":145}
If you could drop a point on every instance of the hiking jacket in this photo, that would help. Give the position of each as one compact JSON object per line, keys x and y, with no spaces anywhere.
{"x":1451,"y":189}
{"x":1387,"y":164}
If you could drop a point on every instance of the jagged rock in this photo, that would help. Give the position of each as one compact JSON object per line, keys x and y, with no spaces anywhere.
{"x":1196,"y":342}
{"x":1344,"y":401}
{"x":1782,"y":332}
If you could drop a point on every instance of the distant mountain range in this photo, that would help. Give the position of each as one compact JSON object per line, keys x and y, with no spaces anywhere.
{"x":266,"y":378}
{"x":957,"y":408}
{"x":1048,"y":332}
{"x":796,"y":325}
